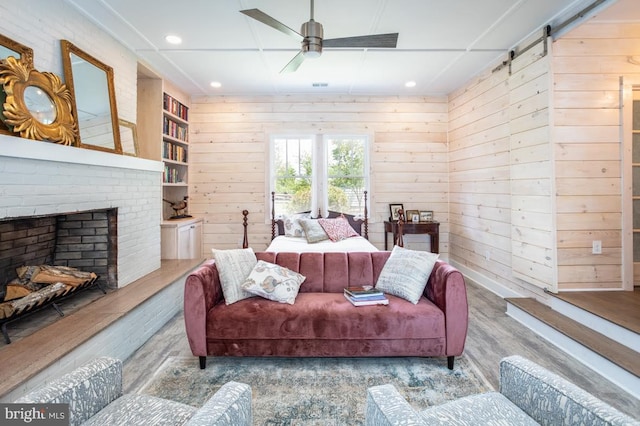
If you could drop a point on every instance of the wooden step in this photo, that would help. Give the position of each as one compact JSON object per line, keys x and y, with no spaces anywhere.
{"x":615,"y":352}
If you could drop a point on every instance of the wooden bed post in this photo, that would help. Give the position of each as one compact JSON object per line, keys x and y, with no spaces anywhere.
{"x":245,"y":241}
{"x":366,"y":215}
{"x":273,"y":214}
{"x":400,"y":241}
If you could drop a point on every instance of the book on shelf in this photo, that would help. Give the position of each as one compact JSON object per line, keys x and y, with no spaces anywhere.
{"x":370,"y":302}
{"x":364,"y":291}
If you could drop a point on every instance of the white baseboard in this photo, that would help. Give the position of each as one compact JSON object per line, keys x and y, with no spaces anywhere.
{"x":486,"y":282}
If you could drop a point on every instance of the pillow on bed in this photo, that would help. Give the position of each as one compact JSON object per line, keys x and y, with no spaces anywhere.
{"x":234,"y":266}
{"x":406,"y":272}
{"x":292,"y":227}
{"x":338,"y":229}
{"x":273,"y":282}
{"x":313,"y":231}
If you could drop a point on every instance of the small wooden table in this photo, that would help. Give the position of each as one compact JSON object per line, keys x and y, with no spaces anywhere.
{"x":431,"y":228}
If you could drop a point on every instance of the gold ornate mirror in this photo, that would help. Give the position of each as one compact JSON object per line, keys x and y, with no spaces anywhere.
{"x":128,"y":138}
{"x":94,"y":99}
{"x":36,"y":105}
{"x":8,"y":48}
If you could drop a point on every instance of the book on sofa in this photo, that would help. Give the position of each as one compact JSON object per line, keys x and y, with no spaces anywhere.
{"x":361,"y":292}
{"x":377,"y":298}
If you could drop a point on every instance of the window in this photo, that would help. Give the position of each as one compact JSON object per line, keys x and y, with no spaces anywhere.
{"x":326,"y":172}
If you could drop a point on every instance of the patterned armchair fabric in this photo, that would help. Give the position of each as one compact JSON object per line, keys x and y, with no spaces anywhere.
{"x":94,"y":395}
{"x":529,"y":395}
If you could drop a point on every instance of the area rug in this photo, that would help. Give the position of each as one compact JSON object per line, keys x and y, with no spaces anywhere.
{"x":315,"y":391}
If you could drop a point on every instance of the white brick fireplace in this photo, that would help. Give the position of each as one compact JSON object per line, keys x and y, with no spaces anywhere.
{"x":41,"y":178}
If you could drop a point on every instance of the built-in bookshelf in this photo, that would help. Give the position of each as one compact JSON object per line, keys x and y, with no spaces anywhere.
{"x":175,"y":141}
{"x":163,"y":134}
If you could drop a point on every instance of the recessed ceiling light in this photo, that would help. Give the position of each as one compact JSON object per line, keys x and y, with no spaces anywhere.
{"x":410,"y":84}
{"x":173,"y":39}
{"x":216,"y":84}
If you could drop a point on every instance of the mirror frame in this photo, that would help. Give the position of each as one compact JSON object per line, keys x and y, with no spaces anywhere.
{"x":69,"y":48}
{"x":16,"y":77}
{"x":26,"y":56}
{"x":134,"y":134}
{"x":26,"y":53}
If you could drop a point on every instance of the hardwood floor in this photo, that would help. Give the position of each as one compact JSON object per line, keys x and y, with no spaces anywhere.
{"x":492,"y":335}
{"x":619,"y":307}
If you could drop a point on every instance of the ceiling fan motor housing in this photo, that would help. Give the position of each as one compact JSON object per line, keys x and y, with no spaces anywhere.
{"x":312,"y":43}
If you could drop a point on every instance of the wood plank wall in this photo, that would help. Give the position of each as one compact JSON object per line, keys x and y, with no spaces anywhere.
{"x":577,"y":178}
{"x":588,"y":63}
{"x":229,"y":153}
{"x":480,"y":180}
{"x":531,"y":167}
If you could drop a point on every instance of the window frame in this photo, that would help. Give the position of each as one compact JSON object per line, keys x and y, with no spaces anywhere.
{"x":320,"y":168}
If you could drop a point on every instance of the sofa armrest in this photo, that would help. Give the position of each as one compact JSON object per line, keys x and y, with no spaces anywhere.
{"x":447,"y":289}
{"x":87,"y":389}
{"x":230,"y":406}
{"x":385,"y":406}
{"x":202,"y":290}
{"x":551,"y":400}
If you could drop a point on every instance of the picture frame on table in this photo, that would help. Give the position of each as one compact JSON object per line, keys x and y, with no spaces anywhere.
{"x":412,"y":216}
{"x":393,"y":211}
{"x":426,"y":216}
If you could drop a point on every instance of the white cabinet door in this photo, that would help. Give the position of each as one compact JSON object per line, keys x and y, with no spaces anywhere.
{"x":182,"y":240}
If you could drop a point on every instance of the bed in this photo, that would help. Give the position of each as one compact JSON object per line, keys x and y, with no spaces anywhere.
{"x":281,"y":242}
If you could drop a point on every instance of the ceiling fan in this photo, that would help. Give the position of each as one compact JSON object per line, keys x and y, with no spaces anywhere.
{"x":311,"y":38}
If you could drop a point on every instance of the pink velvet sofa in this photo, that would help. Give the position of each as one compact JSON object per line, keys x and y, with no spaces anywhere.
{"x":321,"y":322}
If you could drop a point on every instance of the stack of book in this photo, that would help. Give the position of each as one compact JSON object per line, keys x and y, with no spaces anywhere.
{"x":365,"y":296}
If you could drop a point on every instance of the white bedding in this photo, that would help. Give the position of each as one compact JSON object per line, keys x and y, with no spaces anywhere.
{"x":300,"y":245}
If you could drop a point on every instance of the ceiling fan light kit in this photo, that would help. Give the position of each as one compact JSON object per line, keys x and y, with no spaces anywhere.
{"x":311,"y":37}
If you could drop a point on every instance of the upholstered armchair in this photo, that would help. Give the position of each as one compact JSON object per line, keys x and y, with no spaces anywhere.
{"x":529,"y":395}
{"x":94,"y":394}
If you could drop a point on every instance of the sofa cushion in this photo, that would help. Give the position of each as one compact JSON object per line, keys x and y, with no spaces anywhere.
{"x":234,"y":266}
{"x":273,"y":282}
{"x":133,"y":409}
{"x":326,"y":316}
{"x":406,"y":273}
{"x":490,"y":408}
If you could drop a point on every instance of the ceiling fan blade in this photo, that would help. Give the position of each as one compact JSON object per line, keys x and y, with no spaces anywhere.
{"x":260,"y":16}
{"x":376,"y":40}
{"x":293,"y":64}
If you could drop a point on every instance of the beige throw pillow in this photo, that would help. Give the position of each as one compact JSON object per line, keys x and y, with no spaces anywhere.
{"x":234,"y":266}
{"x":406,"y":272}
{"x":313,"y":231}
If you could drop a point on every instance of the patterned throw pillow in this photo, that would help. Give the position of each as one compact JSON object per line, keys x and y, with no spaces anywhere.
{"x":273,"y":282}
{"x":234,"y":266}
{"x":337,"y":229}
{"x":406,"y":273}
{"x":313,"y":231}
{"x":292,"y":227}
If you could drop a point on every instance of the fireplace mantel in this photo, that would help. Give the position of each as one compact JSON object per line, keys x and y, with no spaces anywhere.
{"x":11,"y":146}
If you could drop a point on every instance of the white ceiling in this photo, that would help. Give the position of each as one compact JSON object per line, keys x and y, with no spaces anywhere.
{"x":442,"y":43}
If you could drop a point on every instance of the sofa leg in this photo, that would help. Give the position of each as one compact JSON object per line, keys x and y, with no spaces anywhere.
{"x":450,"y":362}
{"x":203,"y":362}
